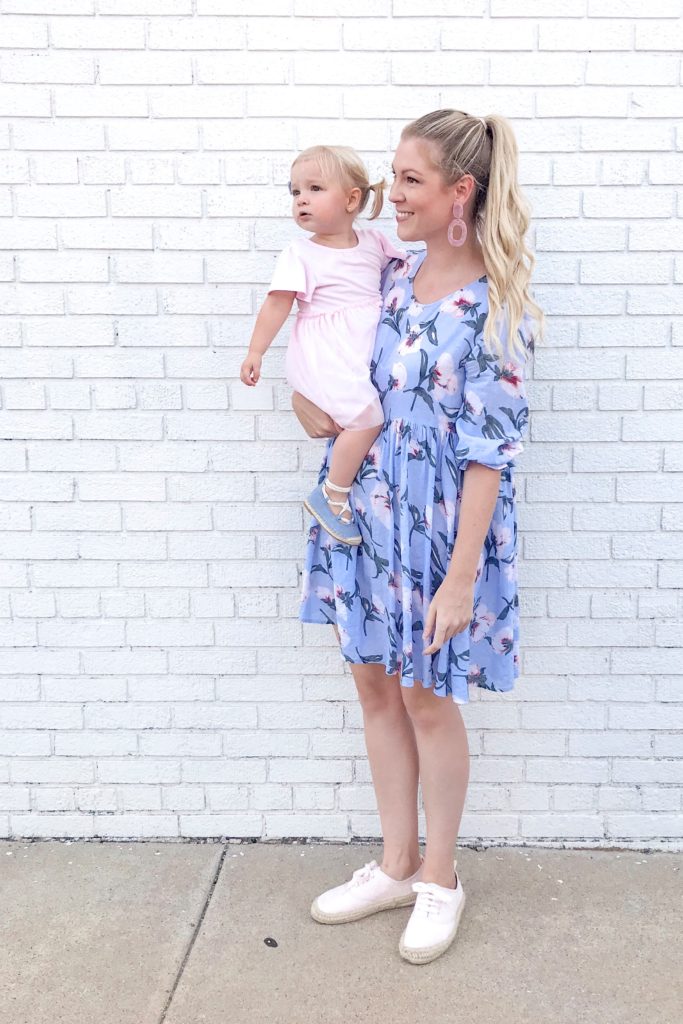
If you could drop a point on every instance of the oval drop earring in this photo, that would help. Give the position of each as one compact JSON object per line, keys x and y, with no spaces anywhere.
{"x":457,"y":222}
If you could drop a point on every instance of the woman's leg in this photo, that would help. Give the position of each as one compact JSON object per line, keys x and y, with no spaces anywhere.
{"x":390,"y":743}
{"x":444,"y":762}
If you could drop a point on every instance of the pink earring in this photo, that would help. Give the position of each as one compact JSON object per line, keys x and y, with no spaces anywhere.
{"x":457,"y":222}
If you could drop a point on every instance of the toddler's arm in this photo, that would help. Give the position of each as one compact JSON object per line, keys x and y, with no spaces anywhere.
{"x":272,"y":315}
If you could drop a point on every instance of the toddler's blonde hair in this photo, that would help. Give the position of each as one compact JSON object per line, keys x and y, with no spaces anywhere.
{"x":343,"y":164}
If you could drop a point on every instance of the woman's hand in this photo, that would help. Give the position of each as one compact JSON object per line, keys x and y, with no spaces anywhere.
{"x":315,"y":422}
{"x":450,"y":611}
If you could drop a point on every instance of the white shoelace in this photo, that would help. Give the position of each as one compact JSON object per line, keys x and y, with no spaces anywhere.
{"x":428,"y":901}
{"x":363,"y":874}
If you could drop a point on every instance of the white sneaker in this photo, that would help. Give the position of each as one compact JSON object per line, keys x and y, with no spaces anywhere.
{"x":433,"y":922}
{"x":368,"y":891}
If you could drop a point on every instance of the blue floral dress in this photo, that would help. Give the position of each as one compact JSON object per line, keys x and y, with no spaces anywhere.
{"x":447,"y":402}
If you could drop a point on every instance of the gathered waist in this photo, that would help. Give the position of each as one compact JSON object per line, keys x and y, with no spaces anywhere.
{"x":375,"y":304}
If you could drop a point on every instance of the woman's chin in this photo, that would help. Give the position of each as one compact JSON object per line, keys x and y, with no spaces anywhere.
{"x":404,"y":232}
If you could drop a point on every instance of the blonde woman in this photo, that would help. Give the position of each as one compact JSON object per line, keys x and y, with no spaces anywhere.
{"x":427,"y":605}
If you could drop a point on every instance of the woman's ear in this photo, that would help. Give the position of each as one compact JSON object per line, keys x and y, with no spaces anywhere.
{"x":463,"y":189}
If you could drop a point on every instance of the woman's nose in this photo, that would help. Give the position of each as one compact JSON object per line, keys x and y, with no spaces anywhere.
{"x":394,"y":193}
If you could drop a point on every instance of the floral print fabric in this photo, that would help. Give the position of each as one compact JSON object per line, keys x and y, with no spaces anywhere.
{"x":447,"y":402}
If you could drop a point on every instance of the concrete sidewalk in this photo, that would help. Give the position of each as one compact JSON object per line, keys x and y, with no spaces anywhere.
{"x":145,"y":933}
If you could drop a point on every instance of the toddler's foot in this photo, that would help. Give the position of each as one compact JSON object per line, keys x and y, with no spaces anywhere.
{"x":333,"y":515}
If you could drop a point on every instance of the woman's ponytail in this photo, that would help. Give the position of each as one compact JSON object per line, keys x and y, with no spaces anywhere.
{"x":504,"y":220}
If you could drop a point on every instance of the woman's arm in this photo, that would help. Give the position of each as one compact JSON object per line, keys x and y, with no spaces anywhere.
{"x":315,"y":422}
{"x":479,"y":494}
{"x":450,"y":610}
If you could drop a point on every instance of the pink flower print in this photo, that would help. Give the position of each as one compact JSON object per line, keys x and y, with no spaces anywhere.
{"x":444,"y":376}
{"x":373,"y":455}
{"x":480,"y":568}
{"x":359,"y":505}
{"x":393,"y":299}
{"x":511,"y":379}
{"x":473,"y":403}
{"x":512,"y":448}
{"x":400,"y":270}
{"x":446,"y":425}
{"x":313,"y":533}
{"x":325,"y":595}
{"x":394,"y":581}
{"x":458,"y":304}
{"x":380,"y":501}
{"x":481,"y":623}
{"x":415,"y":310}
{"x":502,"y":535}
{"x":502,"y":641}
{"x":474,"y":674}
{"x":414,"y":449}
{"x":399,"y":376}
{"x":378,"y":605}
{"x":448,"y":510}
{"x":510,"y":568}
{"x":510,"y":571}
{"x":410,"y":342}
{"x":342,"y":610}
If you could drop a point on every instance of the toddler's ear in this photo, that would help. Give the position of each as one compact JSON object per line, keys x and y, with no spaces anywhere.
{"x":354,"y":199}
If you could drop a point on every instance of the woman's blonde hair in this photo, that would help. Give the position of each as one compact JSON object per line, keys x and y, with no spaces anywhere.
{"x":342,"y":164}
{"x":486,"y":148}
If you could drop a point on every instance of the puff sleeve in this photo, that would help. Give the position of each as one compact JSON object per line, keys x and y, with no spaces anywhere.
{"x":494,"y":415}
{"x":292,"y":274}
{"x":388,"y":249}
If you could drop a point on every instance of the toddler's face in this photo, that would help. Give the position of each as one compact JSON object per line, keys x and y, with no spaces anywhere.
{"x":318,"y":204}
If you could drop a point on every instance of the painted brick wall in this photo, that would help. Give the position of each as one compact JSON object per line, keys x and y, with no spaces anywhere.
{"x":154,"y":677}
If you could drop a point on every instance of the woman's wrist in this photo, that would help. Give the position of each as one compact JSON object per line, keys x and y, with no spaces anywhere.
{"x":457,"y":574}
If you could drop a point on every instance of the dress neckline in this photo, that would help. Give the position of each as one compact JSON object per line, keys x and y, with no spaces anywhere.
{"x":444,"y":298}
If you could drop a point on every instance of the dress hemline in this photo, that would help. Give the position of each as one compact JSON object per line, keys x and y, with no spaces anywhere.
{"x":412,"y":683}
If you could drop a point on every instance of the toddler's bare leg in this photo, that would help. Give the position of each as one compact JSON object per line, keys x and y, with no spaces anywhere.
{"x":348,"y":452}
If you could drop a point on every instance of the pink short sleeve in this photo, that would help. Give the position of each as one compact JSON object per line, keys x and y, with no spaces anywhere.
{"x":292,"y":275}
{"x":387,"y":248}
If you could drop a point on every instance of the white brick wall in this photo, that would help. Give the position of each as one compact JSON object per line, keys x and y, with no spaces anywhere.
{"x":155,"y":679}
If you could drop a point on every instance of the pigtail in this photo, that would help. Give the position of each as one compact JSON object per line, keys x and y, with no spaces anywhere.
{"x":378,"y":201}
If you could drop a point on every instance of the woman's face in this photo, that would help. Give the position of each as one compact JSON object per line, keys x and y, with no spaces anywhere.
{"x":423,"y":201}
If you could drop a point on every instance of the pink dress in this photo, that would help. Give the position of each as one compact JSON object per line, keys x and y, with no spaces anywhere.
{"x":333,"y":336}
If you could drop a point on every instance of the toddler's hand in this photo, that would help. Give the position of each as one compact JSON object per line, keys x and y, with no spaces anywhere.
{"x":250,"y":371}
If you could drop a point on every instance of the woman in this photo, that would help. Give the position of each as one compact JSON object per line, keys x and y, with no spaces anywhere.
{"x":427,"y":605}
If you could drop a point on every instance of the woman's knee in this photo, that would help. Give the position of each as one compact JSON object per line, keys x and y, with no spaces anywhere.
{"x":377,"y":692}
{"x":424,"y":707}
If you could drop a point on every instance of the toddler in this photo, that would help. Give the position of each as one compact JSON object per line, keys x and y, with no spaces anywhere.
{"x":334,"y":274}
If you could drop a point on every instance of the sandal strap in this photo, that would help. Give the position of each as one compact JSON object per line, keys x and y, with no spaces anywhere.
{"x":336,"y":487}
{"x":343,"y":506}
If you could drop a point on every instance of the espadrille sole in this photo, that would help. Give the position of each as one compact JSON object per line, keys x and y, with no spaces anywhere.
{"x":357,"y":915}
{"x":353,"y":541}
{"x":424,"y":956}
